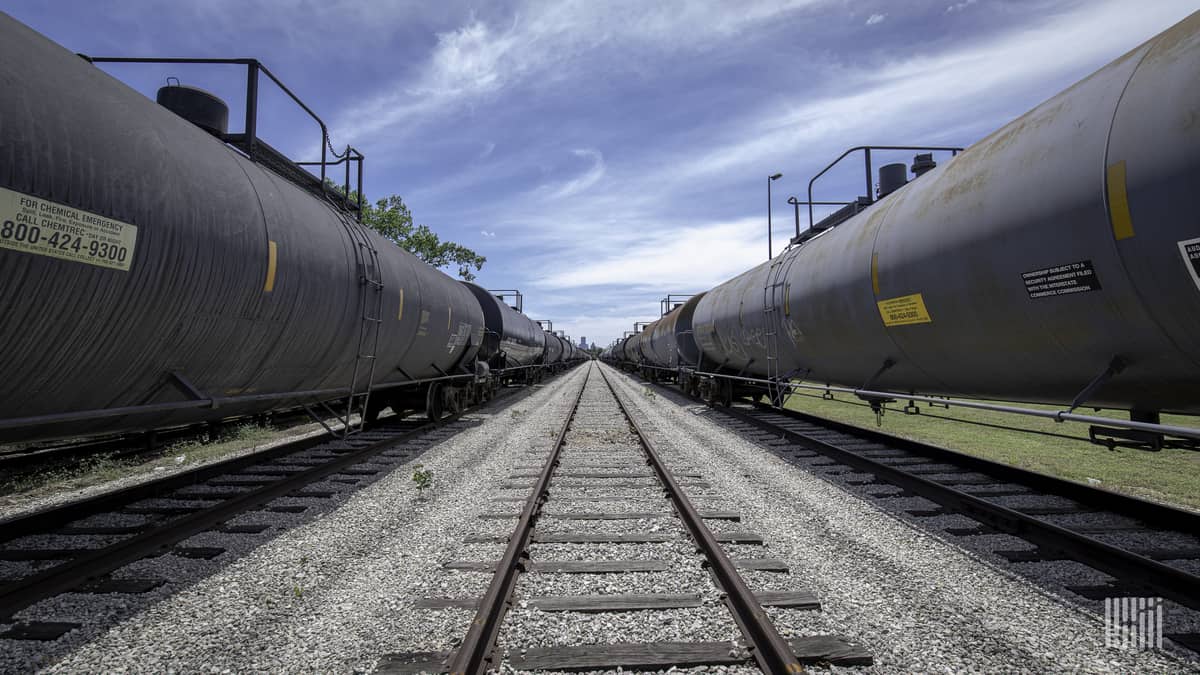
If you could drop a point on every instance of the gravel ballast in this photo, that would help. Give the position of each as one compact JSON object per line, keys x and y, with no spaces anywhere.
{"x":327,"y":595}
{"x":336,"y":593}
{"x":918,"y":603}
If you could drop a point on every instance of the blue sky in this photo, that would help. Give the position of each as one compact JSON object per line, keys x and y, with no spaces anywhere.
{"x":604,"y":153}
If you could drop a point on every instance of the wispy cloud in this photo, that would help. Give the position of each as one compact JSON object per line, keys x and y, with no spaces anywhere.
{"x":546,"y":43}
{"x":585,"y":180}
{"x":487,"y":234}
{"x":875,"y":18}
{"x":929,"y":91}
{"x":695,"y":256}
{"x":960,"y":6}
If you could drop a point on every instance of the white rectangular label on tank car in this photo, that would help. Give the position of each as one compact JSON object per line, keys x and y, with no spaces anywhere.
{"x":1190,"y":249}
{"x":43,"y":227}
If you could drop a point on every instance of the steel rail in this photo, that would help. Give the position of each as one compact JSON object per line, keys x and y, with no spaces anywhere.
{"x":770,"y":650}
{"x":1130,"y":568}
{"x":79,"y":571}
{"x":1109,"y":500}
{"x":55,"y":516}
{"x":475,"y":652}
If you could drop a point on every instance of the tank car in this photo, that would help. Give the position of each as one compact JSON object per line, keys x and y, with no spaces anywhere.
{"x":513,"y":343}
{"x":627,"y":351}
{"x":668,"y":343}
{"x":556,"y":353}
{"x":159,"y":271}
{"x":1055,"y":261}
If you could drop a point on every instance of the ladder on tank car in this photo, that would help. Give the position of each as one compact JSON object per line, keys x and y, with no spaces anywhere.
{"x":370,"y":302}
{"x":773,"y":298}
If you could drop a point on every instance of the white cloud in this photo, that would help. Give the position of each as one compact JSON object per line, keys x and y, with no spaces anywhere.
{"x":960,"y":6}
{"x":875,"y":18}
{"x":487,"y":234}
{"x":542,"y":43}
{"x":585,"y":180}
{"x":488,"y":149}
{"x":930,"y":91}
{"x":693,"y":257}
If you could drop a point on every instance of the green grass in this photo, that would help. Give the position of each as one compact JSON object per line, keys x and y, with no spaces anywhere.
{"x":104,"y":467}
{"x":1057,"y":448}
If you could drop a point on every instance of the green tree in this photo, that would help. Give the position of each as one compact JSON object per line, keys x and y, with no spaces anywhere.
{"x":391,"y":218}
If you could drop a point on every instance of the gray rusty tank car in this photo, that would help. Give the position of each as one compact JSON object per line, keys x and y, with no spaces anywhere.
{"x":669,"y":342}
{"x":555,"y":352}
{"x":572,"y":352}
{"x":153,"y":275}
{"x":512,"y":339}
{"x":1022,"y":269}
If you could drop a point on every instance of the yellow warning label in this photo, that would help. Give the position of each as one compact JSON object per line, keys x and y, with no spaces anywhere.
{"x":42,"y":227}
{"x":1118,"y":202}
{"x":272,"y":261}
{"x":905,"y":310}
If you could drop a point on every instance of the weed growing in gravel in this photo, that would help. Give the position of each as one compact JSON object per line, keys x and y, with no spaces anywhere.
{"x":298,"y":591}
{"x":649,"y":394}
{"x":517,"y":414}
{"x":423,"y":478}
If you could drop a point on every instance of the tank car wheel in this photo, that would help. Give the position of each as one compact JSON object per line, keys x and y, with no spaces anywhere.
{"x":451,"y":402}
{"x":433,"y":402}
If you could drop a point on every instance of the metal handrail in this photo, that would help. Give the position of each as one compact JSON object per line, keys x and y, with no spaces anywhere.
{"x":870,"y":178}
{"x":253,"y":67}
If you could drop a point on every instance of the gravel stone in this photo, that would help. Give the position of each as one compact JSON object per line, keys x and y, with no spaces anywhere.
{"x":330,"y":593}
{"x":918,"y":602}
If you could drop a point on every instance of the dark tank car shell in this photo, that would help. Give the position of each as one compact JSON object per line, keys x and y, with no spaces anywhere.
{"x":1023,"y":269}
{"x":180,"y":269}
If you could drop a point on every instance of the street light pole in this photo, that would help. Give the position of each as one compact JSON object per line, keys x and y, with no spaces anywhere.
{"x":770,"y":247}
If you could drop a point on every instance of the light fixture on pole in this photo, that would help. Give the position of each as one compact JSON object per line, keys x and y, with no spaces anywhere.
{"x":770,"y":179}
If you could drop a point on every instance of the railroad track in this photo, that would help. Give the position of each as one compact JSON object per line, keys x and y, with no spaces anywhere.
{"x":603,"y":489}
{"x":56,"y":454}
{"x":1133,"y":547}
{"x":82,"y":546}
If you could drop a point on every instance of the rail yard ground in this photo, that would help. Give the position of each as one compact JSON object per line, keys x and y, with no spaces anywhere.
{"x":334,"y":589}
{"x":1171,"y":476}
{"x":108,"y":471}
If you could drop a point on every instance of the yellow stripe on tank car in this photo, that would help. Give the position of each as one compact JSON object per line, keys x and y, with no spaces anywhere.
{"x":400,"y":314}
{"x":272,"y":258}
{"x":449,"y":313}
{"x":875,"y":272}
{"x":1118,"y":202}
